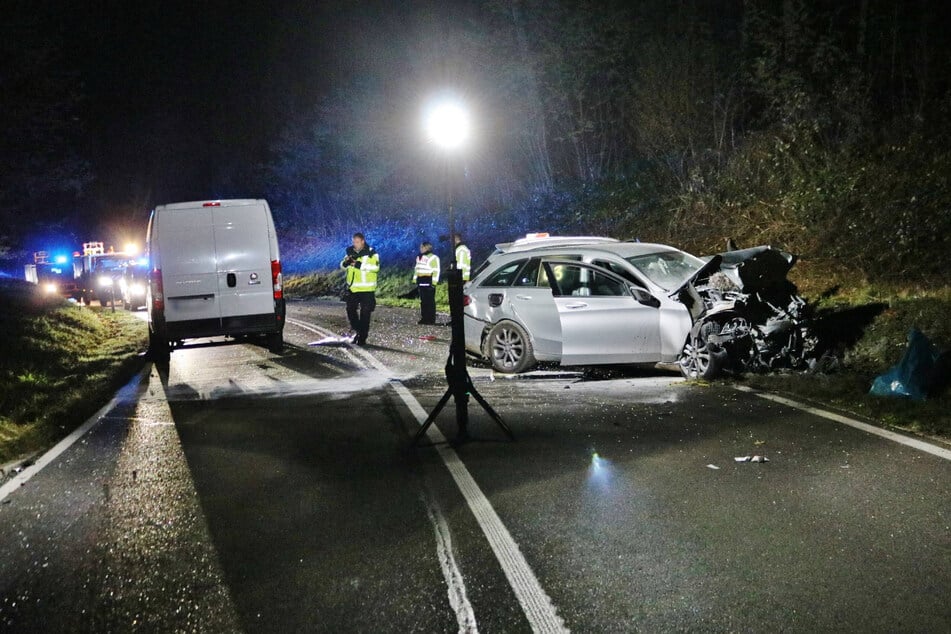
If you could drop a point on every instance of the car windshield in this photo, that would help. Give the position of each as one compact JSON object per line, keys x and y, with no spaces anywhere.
{"x":666,"y":269}
{"x":109,"y":264}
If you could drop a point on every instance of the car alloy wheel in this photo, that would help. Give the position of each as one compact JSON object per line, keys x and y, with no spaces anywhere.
{"x":509,"y":348}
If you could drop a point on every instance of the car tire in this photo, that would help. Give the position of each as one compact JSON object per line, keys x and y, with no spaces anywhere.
{"x":159,"y":348}
{"x":509,"y":348}
{"x":701,"y":359}
{"x":275,"y":342}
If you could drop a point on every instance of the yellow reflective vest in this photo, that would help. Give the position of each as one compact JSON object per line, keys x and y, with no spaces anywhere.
{"x":427,"y":265}
{"x":361,"y":274}
{"x":463,"y":261}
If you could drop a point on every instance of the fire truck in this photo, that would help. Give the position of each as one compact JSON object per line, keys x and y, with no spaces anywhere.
{"x":53,"y":274}
{"x":98,"y":271}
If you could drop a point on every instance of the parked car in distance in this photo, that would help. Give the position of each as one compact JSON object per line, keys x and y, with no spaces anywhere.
{"x":215,"y":269}
{"x":134,"y":284}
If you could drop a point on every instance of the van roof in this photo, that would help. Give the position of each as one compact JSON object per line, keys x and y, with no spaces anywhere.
{"x":237,"y":202}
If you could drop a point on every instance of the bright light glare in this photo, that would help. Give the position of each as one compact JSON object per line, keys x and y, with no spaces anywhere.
{"x":132,"y":248}
{"x":137,"y":289}
{"x":50,"y":288}
{"x":61,"y":259}
{"x":447,"y":124}
{"x":105,"y":280}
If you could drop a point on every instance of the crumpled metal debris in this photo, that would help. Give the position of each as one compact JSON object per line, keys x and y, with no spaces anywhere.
{"x":750,"y":314}
{"x":751,"y":459}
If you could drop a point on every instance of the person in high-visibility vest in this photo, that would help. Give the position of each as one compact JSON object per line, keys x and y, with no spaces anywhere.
{"x":463,"y":257}
{"x":362,"y":264}
{"x":426,"y":276}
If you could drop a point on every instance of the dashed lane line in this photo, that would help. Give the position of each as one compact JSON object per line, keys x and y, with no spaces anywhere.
{"x":535,"y":602}
{"x":914,"y":443}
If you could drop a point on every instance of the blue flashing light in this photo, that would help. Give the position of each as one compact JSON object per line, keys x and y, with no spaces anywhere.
{"x":61,"y":259}
{"x":143,"y":262}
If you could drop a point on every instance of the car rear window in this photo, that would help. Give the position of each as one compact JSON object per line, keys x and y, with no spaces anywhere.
{"x":505,"y":275}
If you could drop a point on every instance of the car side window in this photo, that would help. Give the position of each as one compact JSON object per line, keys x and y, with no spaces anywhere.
{"x":528,"y":276}
{"x":603,"y":286}
{"x":617,"y":269}
{"x":577,"y":281}
{"x":543,"y":274}
{"x":505,"y":275}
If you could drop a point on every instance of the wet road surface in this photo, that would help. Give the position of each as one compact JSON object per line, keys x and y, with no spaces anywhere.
{"x":244,"y":491}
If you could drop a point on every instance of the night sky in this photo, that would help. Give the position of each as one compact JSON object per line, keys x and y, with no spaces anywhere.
{"x":602,"y":117}
{"x":182,"y":101}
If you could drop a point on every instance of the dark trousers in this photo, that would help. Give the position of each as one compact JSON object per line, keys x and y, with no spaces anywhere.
{"x":359,"y":308}
{"x":427,"y":304}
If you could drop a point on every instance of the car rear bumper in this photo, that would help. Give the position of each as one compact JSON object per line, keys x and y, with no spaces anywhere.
{"x":236,"y":325}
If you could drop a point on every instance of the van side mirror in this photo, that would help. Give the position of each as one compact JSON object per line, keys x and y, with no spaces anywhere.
{"x":643,"y":297}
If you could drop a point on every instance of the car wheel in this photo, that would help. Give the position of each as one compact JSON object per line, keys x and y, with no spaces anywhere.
{"x":159,"y":349}
{"x":509,"y":348}
{"x":275,"y":342}
{"x":701,"y":359}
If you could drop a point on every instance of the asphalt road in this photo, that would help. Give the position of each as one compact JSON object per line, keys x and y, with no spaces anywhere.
{"x":240,"y":490}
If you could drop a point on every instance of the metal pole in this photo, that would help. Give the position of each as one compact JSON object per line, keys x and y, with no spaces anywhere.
{"x":456,"y":366}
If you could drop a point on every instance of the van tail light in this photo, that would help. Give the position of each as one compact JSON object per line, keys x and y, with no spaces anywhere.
{"x":466,"y":300}
{"x":214,"y":204}
{"x":158,"y":295}
{"x":277,"y":280}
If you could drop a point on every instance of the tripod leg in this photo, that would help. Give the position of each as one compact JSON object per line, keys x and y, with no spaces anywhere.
{"x":432,"y":417}
{"x":488,"y":408}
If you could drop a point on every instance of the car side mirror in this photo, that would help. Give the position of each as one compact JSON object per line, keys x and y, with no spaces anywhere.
{"x":643,"y":297}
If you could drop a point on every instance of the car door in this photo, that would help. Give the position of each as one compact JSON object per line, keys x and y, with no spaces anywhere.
{"x":244,"y":261}
{"x":187,"y":247}
{"x":601,"y":321}
{"x":532,"y":304}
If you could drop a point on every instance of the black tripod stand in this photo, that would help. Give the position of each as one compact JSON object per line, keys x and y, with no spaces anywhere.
{"x":460,"y":383}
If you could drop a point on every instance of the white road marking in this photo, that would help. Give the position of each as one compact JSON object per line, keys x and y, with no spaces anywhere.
{"x":24,"y":476}
{"x":535,"y":602}
{"x":458,"y":599}
{"x":914,"y":443}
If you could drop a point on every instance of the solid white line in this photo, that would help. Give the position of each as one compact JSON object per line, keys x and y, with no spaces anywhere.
{"x":535,"y":602}
{"x":24,"y":476}
{"x":914,"y":443}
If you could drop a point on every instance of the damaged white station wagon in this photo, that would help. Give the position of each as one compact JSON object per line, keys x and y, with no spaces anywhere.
{"x":591,"y":300}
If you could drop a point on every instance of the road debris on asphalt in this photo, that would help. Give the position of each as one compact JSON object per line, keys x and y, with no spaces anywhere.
{"x":751,"y":459}
{"x":331,"y":341}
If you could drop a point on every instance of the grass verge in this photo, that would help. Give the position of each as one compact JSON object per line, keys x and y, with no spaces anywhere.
{"x":62,"y":363}
{"x":880,"y":346}
{"x":391,"y":284}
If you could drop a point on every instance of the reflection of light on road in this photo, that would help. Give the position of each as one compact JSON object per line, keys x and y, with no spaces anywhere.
{"x":600,"y":472}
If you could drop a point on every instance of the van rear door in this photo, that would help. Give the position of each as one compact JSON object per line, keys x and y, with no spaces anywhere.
{"x":187,"y":247}
{"x":244,"y":260}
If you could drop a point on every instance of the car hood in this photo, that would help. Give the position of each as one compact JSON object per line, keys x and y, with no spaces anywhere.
{"x":757,"y":268}
{"x":713,"y":264}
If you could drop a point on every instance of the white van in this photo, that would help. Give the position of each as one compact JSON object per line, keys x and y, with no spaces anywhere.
{"x":215,"y":269}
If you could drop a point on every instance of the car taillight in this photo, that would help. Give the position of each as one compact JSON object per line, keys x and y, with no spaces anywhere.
{"x":277,"y":280}
{"x":158,"y":296}
{"x":211,"y":205}
{"x":466,"y":300}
